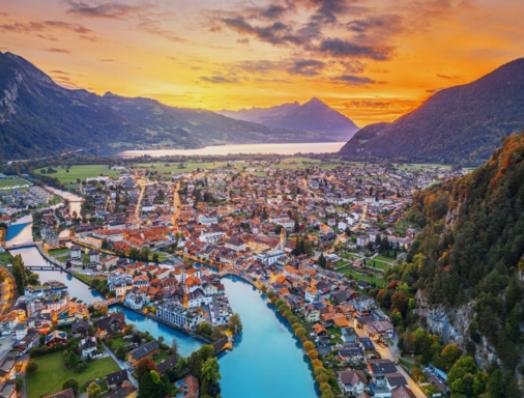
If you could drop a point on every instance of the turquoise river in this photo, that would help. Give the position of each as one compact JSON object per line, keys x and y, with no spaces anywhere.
{"x":267,"y":361}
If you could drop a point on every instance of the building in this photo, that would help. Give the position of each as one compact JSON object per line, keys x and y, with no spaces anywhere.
{"x":179,"y":316}
{"x":142,"y":352}
{"x":271,"y":257}
{"x":352,"y":381}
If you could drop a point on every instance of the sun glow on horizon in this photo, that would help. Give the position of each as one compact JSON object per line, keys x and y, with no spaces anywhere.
{"x":371,"y":59}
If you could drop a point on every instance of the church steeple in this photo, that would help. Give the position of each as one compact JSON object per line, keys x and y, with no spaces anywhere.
{"x":283,"y":239}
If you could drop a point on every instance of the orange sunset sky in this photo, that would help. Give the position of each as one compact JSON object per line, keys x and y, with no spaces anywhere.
{"x":373,"y":60}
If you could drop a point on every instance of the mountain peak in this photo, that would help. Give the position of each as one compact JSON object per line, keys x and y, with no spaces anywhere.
{"x":313,"y":116}
{"x":314,"y":101}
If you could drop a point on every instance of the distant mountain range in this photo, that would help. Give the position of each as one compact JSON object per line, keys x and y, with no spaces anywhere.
{"x":313,"y":116}
{"x":39,"y":117}
{"x":461,"y":125}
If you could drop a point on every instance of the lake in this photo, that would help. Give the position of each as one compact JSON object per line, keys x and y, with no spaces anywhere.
{"x":244,"y":149}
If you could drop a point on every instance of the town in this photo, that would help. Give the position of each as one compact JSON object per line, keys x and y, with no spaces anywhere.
{"x":315,"y":237}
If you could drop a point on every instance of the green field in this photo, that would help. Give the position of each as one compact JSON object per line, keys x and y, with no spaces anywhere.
{"x":183,"y":167}
{"x":296,"y":163}
{"x":6,"y":183}
{"x":51,"y":373}
{"x":80,"y":172}
{"x":421,"y":166}
{"x":362,"y":276}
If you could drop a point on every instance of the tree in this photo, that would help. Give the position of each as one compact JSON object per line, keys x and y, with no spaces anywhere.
{"x":449,"y":355}
{"x":71,"y":383}
{"x":495,"y":386}
{"x":71,"y":359}
{"x":235,"y":324}
{"x":322,"y":263}
{"x":144,"y":365}
{"x":19,"y":274}
{"x":94,"y":390}
{"x":32,"y":367}
{"x":465,"y":378}
{"x":204,"y":329}
{"x":210,"y":374}
{"x":151,"y":385}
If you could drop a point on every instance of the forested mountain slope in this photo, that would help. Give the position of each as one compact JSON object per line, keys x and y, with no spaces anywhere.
{"x":469,"y":259}
{"x":460,"y":125}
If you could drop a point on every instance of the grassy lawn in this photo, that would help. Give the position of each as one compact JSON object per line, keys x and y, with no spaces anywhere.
{"x":296,"y":163}
{"x":385,"y":259}
{"x":7,"y":183}
{"x":421,"y":166}
{"x":87,"y":278}
{"x":69,"y":176}
{"x":52,"y":373}
{"x":162,"y":256}
{"x":182,"y":167}
{"x":59,"y":252}
{"x":116,"y":343}
{"x":353,"y":256}
{"x":361,"y":276}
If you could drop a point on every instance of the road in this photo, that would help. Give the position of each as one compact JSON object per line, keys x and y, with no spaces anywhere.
{"x":122,"y":365}
{"x":387,"y":352}
{"x":142,"y":183}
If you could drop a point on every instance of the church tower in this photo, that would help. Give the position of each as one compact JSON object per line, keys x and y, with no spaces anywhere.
{"x":283,"y":239}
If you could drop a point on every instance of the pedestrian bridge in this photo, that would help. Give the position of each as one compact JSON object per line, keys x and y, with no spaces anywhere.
{"x":41,"y":267}
{"x":24,"y":245}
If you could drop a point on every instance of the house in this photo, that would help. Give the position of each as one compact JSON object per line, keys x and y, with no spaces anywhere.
{"x":114,"y":380}
{"x":141,"y":352}
{"x":7,"y":370}
{"x":167,"y":364}
{"x":352,"y":381}
{"x":125,"y":391}
{"x":67,"y":393}
{"x":80,"y":327}
{"x":349,"y":336}
{"x":88,"y":347}
{"x":76,"y":253}
{"x":402,"y":392}
{"x":109,"y":324}
{"x":395,"y":380}
{"x":56,"y":337}
{"x":352,"y":354}
{"x":8,"y":390}
{"x":188,"y":387}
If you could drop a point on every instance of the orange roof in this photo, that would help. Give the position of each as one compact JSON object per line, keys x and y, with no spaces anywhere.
{"x":341,"y":321}
{"x":318,"y":328}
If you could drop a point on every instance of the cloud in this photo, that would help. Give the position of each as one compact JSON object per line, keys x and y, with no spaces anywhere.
{"x":306,"y":67}
{"x":218,"y":79}
{"x":108,"y":9}
{"x":58,"y":50}
{"x":274,"y":33}
{"x":59,"y":72}
{"x":153,"y":27}
{"x":336,"y":47}
{"x":273,"y":11}
{"x":356,"y":80}
{"x":448,"y":77}
{"x":42,"y":28}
